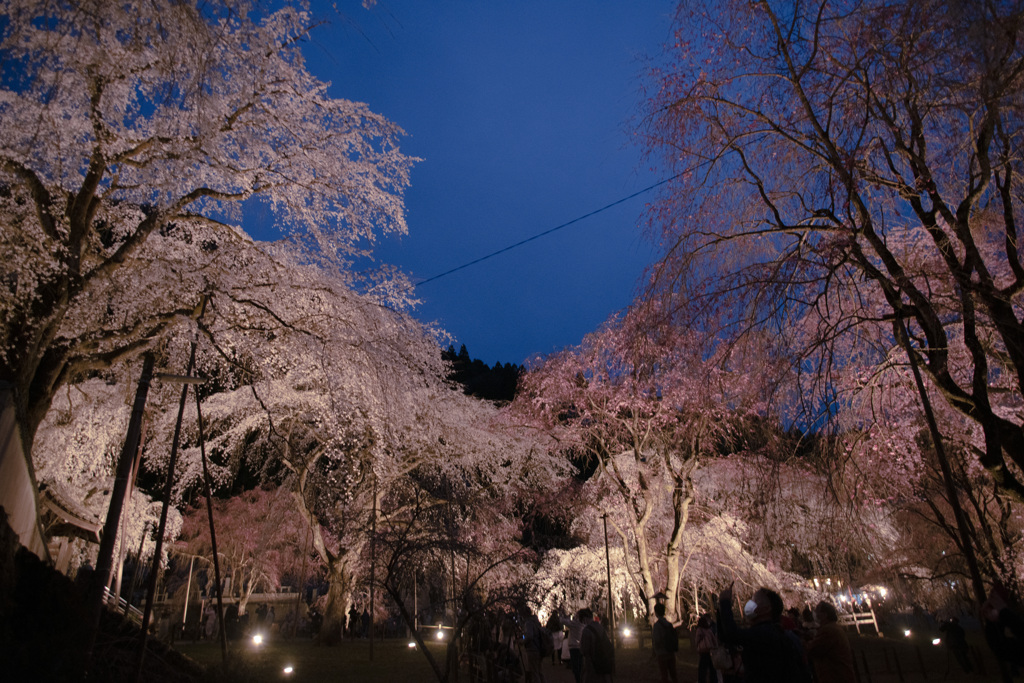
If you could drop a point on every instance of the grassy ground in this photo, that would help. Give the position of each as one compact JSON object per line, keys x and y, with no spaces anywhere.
{"x":888,"y":660}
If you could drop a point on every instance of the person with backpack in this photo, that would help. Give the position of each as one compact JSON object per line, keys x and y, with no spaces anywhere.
{"x":665,"y":641}
{"x":770,"y":655}
{"x":597,"y":650}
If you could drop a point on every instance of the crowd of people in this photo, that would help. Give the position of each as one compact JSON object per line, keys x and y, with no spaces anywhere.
{"x":772,"y":646}
{"x":800,"y":646}
{"x":518,"y":647}
{"x":769,"y":645}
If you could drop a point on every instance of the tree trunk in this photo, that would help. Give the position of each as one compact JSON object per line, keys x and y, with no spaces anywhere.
{"x":682,"y":496}
{"x":243,"y":600}
{"x":339,"y":593}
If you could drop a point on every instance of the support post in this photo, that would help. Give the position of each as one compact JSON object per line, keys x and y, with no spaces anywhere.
{"x":207,"y":484}
{"x":373,"y":565}
{"x":162,"y":528}
{"x":104,"y":561}
{"x":608,"y":570}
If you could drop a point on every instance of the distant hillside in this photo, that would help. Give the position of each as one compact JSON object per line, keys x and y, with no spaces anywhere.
{"x":496,"y":383}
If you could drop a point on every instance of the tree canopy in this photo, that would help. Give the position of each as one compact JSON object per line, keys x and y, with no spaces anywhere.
{"x":847,"y":168}
{"x":131,"y":125}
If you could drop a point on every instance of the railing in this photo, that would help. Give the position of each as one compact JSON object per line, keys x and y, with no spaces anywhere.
{"x":860,"y":618}
{"x":132,"y":612}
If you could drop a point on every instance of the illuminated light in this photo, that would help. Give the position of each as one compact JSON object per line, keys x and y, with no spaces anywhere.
{"x":936,"y":641}
{"x":412,"y":644}
{"x":906,"y":632}
{"x":288,"y":670}
{"x":440,"y":634}
{"x":884,"y":591}
{"x":257,"y":639}
{"x":626,"y":632}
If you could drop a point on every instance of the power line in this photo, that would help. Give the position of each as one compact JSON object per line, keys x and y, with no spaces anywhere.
{"x":546,"y":232}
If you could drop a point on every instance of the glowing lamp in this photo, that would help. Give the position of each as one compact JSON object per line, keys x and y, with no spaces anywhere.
{"x":288,"y":670}
{"x":257,"y":639}
{"x":412,"y":644}
{"x":626,"y":632}
{"x":906,"y":633}
{"x":440,"y":634}
{"x":936,"y":641}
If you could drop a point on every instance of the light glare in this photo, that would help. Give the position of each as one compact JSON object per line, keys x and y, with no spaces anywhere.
{"x":288,"y":670}
{"x":257,"y":639}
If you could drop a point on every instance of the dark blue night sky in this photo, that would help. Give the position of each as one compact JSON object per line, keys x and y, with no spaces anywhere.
{"x":521,"y":112}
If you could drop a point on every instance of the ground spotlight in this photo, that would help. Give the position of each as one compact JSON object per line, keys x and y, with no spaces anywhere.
{"x":257,"y":639}
{"x":288,"y":670}
{"x":412,"y":644}
{"x":936,"y":641}
{"x":906,"y":632}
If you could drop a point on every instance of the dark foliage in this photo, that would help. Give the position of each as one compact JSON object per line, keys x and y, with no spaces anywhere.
{"x":496,"y":383}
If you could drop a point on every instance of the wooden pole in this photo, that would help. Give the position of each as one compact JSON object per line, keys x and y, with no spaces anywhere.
{"x":373,"y":565}
{"x":162,"y":527}
{"x":188,"y":591}
{"x":208,"y":485}
{"x":138,"y":564}
{"x":117,"y":496}
{"x":608,"y":570}
{"x":123,"y":547}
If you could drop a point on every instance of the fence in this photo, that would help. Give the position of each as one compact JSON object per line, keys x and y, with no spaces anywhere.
{"x":857,"y":619}
{"x":130,"y":611}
